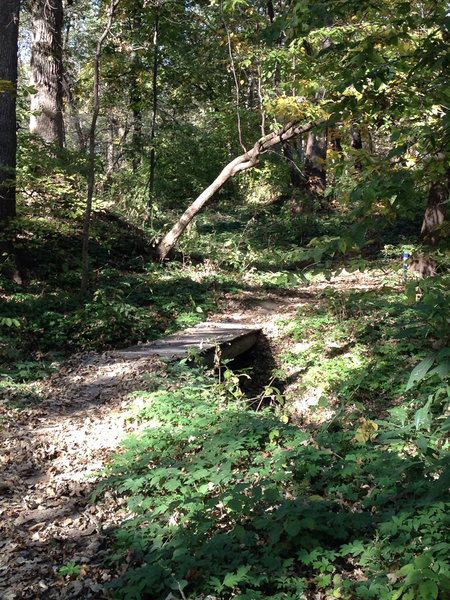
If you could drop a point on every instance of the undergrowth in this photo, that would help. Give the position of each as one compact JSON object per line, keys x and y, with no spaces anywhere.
{"x":226,"y":501}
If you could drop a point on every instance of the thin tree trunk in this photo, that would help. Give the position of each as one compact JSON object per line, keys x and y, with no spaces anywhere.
{"x":75,"y":115}
{"x":135,"y":93}
{"x":357,"y":145}
{"x":9,"y":23}
{"x":91,"y":139}
{"x":246,"y":161}
{"x":235,"y":79}
{"x":46,"y":68}
{"x":151,"y":184}
{"x":435,"y":212}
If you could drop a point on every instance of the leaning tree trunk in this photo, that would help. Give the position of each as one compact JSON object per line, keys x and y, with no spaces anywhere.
{"x":246,"y":161}
{"x":47,"y":71}
{"x":9,"y":22}
{"x":435,"y":212}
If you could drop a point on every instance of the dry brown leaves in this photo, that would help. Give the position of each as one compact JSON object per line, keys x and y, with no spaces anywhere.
{"x":47,"y":452}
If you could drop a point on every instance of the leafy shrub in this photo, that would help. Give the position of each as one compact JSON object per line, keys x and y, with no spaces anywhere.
{"x":227,"y":501}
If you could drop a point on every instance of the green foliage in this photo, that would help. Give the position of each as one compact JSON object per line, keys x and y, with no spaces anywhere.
{"x":227,"y":501}
{"x":70,"y":570}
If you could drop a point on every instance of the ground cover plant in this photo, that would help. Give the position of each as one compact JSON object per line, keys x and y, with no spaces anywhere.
{"x":231,"y":501}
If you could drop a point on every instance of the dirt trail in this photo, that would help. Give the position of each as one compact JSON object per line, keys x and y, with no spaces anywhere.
{"x":66,"y":432}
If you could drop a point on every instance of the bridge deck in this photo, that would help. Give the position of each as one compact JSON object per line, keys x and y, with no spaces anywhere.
{"x":232,"y":338}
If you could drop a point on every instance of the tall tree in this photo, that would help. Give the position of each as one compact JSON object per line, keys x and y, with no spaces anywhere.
{"x":92,"y":139}
{"x":47,"y":70}
{"x":9,"y":23}
{"x":154,"y":106}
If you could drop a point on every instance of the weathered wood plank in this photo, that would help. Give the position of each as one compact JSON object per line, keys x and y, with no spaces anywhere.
{"x":232,"y":338}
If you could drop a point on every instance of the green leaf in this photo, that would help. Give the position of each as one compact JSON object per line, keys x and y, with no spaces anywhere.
{"x":292,"y":527}
{"x":413,"y":577}
{"x":342,"y":245}
{"x":397,"y":151}
{"x":405,"y":570}
{"x":422,"y":417}
{"x":423,"y":561}
{"x":420,"y":370}
{"x":172,"y":485}
{"x":231,"y":580}
{"x":239,"y":532}
{"x":271,"y":494}
{"x":442,"y":369}
{"x":428,"y":590}
{"x":235,"y":504}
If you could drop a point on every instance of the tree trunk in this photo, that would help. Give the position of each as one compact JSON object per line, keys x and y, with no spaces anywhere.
{"x":294,"y":171}
{"x":47,"y":71}
{"x":74,"y":115}
{"x":246,"y":161}
{"x":9,"y":22}
{"x":357,"y":145}
{"x":154,"y":109}
{"x":135,"y":91}
{"x":435,"y":212}
{"x":91,"y":138}
{"x":315,"y":156}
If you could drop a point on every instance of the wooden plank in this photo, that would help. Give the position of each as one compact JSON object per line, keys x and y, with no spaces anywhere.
{"x":232,"y":338}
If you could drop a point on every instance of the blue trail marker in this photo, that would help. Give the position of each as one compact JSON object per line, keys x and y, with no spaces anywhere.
{"x":405,"y":257}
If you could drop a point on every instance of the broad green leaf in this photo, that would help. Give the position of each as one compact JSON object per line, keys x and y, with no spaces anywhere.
{"x":292,"y":527}
{"x":271,"y":494}
{"x":405,"y":570}
{"x":428,"y":590}
{"x":235,"y":504}
{"x":420,"y":370}
{"x":423,"y":561}
{"x":442,"y":369}
{"x":422,"y":417}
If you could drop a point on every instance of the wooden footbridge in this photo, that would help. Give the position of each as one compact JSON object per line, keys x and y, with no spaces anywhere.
{"x":205,"y":340}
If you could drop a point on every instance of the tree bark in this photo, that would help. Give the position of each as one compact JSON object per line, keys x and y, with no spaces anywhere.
{"x":294,"y":171}
{"x":315,"y":156}
{"x":47,"y":70}
{"x":357,"y":145}
{"x":154,"y":109}
{"x":435,"y":212}
{"x":245,"y":161}
{"x":9,"y":23}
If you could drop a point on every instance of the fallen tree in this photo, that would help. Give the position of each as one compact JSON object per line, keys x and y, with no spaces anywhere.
{"x":243,"y":162}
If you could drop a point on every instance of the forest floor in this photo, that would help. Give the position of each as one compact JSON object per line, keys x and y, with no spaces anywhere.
{"x":72,"y":421}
